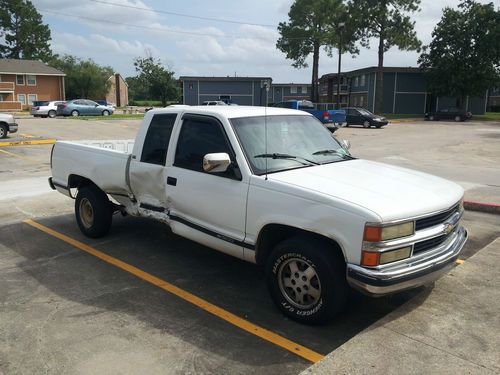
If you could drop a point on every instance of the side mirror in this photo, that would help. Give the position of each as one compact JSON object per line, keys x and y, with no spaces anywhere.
{"x":96,"y":105}
{"x":214,"y":163}
{"x":345,"y":144}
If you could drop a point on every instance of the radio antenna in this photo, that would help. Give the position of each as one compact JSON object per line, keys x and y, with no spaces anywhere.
{"x":266,"y":85}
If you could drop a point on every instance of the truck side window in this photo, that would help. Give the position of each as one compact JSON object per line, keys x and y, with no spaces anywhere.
{"x":155,"y":146}
{"x":197,"y":138}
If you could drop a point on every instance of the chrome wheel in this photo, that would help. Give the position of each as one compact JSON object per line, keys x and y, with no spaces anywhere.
{"x":3,"y":132}
{"x":74,"y":113}
{"x":86,"y":213}
{"x":105,"y":113}
{"x":458,"y":118}
{"x":366,"y":124}
{"x":299,"y":283}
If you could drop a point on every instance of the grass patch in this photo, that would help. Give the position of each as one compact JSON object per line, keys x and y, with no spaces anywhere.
{"x":395,"y":116}
{"x":118,"y":116}
{"x":488,"y":116}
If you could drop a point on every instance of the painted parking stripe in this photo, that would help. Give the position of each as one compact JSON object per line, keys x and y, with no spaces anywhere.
{"x":229,"y":317}
{"x":49,"y":141}
{"x":19,"y":156}
{"x":460,"y":261}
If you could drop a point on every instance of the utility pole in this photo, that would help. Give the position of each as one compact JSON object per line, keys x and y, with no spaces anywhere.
{"x":340,"y":27}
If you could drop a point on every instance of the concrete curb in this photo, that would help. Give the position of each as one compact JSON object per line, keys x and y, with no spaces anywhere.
{"x":489,"y":208}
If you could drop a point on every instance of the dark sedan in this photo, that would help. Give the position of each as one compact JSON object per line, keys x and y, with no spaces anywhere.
{"x":361,"y":116}
{"x":448,"y":113}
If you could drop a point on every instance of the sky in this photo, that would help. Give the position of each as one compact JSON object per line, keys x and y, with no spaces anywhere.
{"x":114,"y":32}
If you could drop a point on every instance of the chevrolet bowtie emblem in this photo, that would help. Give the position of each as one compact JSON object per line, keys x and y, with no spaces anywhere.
{"x":447,"y":228}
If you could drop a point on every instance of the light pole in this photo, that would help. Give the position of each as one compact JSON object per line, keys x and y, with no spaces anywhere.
{"x":340,"y":26}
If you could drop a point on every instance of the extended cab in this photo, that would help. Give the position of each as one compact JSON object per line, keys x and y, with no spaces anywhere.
{"x":271,"y":186}
{"x":7,"y":125}
{"x":332,"y":118}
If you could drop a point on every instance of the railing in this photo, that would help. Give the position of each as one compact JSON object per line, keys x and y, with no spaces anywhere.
{"x":343,"y":88}
{"x":11,"y":106}
{"x":6,"y":86}
{"x":327,"y":106}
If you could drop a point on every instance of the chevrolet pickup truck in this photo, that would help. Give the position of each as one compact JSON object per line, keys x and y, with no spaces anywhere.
{"x":271,"y":186}
{"x":332,"y":118}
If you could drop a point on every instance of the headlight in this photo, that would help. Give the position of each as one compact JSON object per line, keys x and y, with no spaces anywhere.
{"x":377,"y":119}
{"x":376,"y":233}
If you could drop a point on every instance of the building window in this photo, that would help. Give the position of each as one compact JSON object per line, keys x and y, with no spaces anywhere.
{"x":1,"y":97}
{"x":362,"y":80}
{"x":361,"y":100}
{"x":20,"y":79}
{"x":293,"y":89}
{"x":31,"y":80}
{"x":356,"y":81}
{"x":31,"y":98}
{"x":21,"y":98}
{"x":304,"y":89}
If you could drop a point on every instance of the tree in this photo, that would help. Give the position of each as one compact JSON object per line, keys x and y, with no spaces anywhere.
{"x":387,"y":20}
{"x":84,"y":78}
{"x":314,"y":24}
{"x":464,"y":55}
{"x":23,"y":35}
{"x":158,"y":79}
{"x":137,"y":90}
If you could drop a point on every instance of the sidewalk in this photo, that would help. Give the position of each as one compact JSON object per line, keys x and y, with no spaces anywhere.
{"x":451,"y":329}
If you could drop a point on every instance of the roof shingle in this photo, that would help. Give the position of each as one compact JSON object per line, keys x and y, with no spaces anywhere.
{"x":12,"y":66}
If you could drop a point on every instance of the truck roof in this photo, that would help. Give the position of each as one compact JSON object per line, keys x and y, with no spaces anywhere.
{"x":232,"y":111}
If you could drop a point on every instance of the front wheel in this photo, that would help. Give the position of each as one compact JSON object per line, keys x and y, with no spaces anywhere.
{"x":93,"y":211}
{"x":366,"y":124}
{"x":458,"y":118}
{"x":105,"y":113}
{"x":52,"y":114}
{"x":75,"y":113}
{"x":3,"y":131}
{"x":306,"y":279}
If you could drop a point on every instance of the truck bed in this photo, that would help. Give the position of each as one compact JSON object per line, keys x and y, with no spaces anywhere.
{"x":104,"y":162}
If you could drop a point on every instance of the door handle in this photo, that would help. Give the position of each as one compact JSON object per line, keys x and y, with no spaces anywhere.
{"x":171,"y":181}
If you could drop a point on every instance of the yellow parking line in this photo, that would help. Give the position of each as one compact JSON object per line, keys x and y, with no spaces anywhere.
{"x":28,"y":143}
{"x":460,"y":261}
{"x":229,"y":317}
{"x":26,"y":135}
{"x":19,"y":156}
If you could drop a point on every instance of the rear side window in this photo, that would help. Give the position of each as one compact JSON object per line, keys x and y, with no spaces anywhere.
{"x":155,"y":146}
{"x":197,"y":138}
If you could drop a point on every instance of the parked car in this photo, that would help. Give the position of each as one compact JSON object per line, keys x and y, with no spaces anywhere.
{"x":83,"y":107}
{"x":448,"y":113}
{"x":272,"y":187}
{"x":45,"y":108}
{"x":106,"y":103}
{"x":362,"y":116}
{"x":7,"y":124}
{"x":332,"y":118}
{"x":213,"y":102}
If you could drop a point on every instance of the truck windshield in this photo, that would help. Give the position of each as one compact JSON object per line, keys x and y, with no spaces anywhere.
{"x":297,"y":137}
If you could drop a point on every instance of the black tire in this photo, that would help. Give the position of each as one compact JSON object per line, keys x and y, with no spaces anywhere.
{"x":105,"y":113}
{"x":431,"y":118}
{"x":328,"y":281}
{"x":52,"y":113}
{"x":458,"y":118}
{"x":94,"y":211}
{"x":366,"y":124}
{"x":75,"y":113}
{"x":3,"y":131}
{"x":378,"y":126}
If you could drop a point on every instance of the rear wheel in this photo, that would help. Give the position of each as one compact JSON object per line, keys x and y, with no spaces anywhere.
{"x":75,"y":113}
{"x":52,"y":113}
{"x":306,"y":279}
{"x":366,"y":124}
{"x":458,"y":118}
{"x":93,"y":211}
{"x":105,"y":113}
{"x":431,"y":118}
{"x":3,"y":131}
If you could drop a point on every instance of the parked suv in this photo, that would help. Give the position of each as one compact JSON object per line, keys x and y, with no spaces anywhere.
{"x":361,"y":116}
{"x":7,"y":125}
{"x":45,"y":108}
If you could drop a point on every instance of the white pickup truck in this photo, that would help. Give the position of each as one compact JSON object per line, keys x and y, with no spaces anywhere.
{"x":273,"y":187}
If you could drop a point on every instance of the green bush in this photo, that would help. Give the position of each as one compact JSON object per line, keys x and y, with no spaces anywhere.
{"x":145,"y":103}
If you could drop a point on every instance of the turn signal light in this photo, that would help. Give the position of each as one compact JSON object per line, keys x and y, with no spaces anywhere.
{"x":372,"y":233}
{"x":370,"y":258}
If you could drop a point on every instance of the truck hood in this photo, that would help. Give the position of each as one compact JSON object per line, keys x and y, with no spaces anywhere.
{"x":391,"y":192}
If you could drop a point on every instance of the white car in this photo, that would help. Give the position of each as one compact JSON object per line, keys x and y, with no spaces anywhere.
{"x":213,"y":102}
{"x":272,"y":186}
{"x":45,"y":108}
{"x":7,"y":125}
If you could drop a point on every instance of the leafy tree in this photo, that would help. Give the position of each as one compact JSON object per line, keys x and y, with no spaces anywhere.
{"x":23,"y":35}
{"x":137,"y":90}
{"x":84,"y":78}
{"x":158,"y":79}
{"x":387,"y":20}
{"x":464,"y":55}
{"x":314,"y":24}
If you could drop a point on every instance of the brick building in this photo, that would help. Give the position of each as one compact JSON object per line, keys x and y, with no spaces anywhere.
{"x":118,"y":91}
{"x":24,"y":81}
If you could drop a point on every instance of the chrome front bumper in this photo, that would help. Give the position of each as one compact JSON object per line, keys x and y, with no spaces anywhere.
{"x":13,"y":128}
{"x":412,"y":272}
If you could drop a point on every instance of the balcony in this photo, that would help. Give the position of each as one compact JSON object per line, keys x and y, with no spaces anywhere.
{"x":6,"y":87}
{"x":11,"y":106}
{"x":344,"y":89}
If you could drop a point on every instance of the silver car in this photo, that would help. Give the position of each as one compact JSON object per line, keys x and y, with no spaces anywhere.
{"x":45,"y":108}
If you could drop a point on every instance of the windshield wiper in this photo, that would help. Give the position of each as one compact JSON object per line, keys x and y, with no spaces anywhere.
{"x":287,"y":156}
{"x":336,"y":152}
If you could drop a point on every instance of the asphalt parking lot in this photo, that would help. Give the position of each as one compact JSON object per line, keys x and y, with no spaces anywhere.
{"x":70,"y":304}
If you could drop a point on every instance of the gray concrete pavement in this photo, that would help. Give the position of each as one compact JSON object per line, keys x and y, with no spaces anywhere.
{"x":452,"y":329}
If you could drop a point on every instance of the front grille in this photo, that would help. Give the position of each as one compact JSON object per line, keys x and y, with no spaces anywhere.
{"x":430,"y":221}
{"x":429,"y":244}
